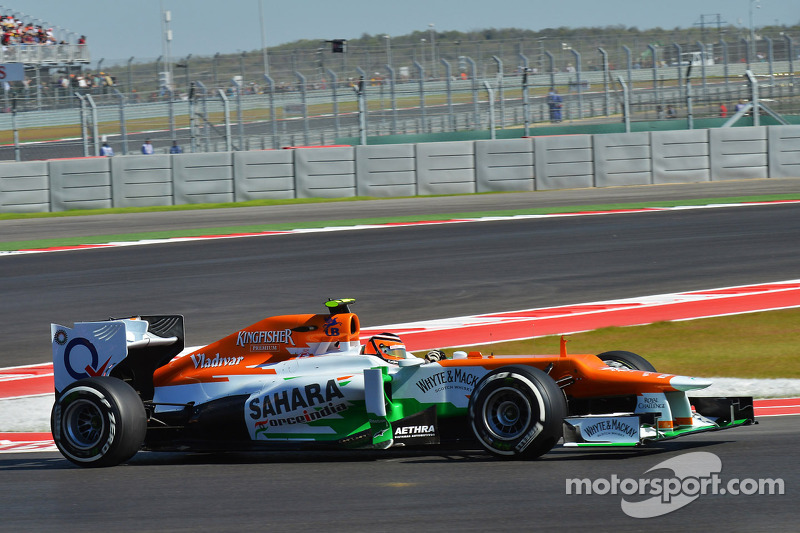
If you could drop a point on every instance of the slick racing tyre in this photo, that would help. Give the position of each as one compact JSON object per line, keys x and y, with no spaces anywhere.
{"x":622,"y":359}
{"x":517,"y":412}
{"x":98,"y":421}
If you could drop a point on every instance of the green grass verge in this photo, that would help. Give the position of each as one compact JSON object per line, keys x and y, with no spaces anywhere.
{"x":754,"y":345}
{"x":127,"y":237}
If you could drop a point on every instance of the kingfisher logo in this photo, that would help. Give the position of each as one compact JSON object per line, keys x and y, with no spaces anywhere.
{"x":92,"y":369}
{"x":331,"y":327}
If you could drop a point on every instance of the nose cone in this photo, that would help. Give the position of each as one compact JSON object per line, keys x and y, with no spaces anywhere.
{"x":684,"y":383}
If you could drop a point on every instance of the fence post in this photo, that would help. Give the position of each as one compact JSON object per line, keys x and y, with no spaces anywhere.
{"x":703,"y":67}
{"x":227,"y":112}
{"x":362,"y":121}
{"x":724,"y":46}
{"x":578,"y":79}
{"x":769,"y":60}
{"x":526,"y":105}
{"x":679,"y":52}
{"x":552,"y":61}
{"x":304,"y":102}
{"x":17,"y":154}
{"x":604,"y":55}
{"x":84,"y":132}
{"x":654,"y":53}
{"x":206,"y":140}
{"x":392,"y":97}
{"x":448,"y":72}
{"x":421,"y":72}
{"x":754,"y":97}
{"x":122,"y":125}
{"x":474,"y":77}
{"x":272,"y":117}
{"x":626,"y":106}
{"x":628,"y":63}
{"x":500,"y":90}
{"x":95,"y":134}
{"x":789,"y":54}
{"x":170,"y":95}
{"x":334,"y":84}
{"x":363,"y":90}
{"x":491,"y":109}
{"x":192,"y":140}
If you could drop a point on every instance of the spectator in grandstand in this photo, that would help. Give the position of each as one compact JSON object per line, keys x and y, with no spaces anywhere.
{"x":147,"y":147}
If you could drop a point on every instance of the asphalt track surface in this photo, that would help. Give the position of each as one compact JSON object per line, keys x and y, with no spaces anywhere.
{"x":397,"y":274}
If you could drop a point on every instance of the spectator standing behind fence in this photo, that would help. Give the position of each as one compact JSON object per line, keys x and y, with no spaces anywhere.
{"x":554,"y":100}
{"x":147,"y":147}
{"x":723,"y":110}
{"x":671,"y":113}
{"x":106,"y":150}
{"x":175,"y":149}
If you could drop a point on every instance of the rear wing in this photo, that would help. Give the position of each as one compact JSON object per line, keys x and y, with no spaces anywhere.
{"x":103,"y":349}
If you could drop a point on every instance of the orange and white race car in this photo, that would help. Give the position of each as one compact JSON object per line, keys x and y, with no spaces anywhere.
{"x":308,"y":381}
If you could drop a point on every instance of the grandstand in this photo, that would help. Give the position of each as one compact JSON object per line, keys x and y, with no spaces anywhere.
{"x":37,"y":43}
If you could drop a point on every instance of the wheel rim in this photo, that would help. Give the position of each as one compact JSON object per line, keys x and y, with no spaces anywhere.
{"x":618,"y":364}
{"x":84,"y":424}
{"x":507,"y":413}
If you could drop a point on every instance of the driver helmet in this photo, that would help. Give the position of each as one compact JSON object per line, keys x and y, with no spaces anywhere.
{"x":387,"y":346}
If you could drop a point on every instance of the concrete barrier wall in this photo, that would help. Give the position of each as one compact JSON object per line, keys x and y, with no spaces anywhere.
{"x":80,"y":184}
{"x":386,"y":170}
{"x":25,"y":187}
{"x":564,"y":162}
{"x":623,"y":159}
{"x":203,"y":178}
{"x":263,"y":174}
{"x":738,"y":154}
{"x":325,"y":172}
{"x":680,"y":156}
{"x":505,"y":165}
{"x":784,"y":151}
{"x":141,"y":181}
{"x":446,"y":168}
{"x":541,"y":163}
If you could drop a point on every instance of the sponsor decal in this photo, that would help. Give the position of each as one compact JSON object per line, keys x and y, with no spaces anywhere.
{"x":304,"y":418}
{"x":201,"y":361}
{"x":92,"y":368}
{"x":331,"y":327}
{"x":448,"y":379}
{"x":609,"y":428}
{"x":60,"y":337}
{"x":290,"y":400}
{"x":264,"y":341}
{"x":419,"y":428}
{"x":528,"y":438}
{"x":651,"y":403}
{"x":406,"y":432}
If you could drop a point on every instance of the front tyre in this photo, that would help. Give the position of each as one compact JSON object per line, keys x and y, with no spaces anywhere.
{"x":517,"y":412}
{"x":98,"y":421}
{"x":629,"y":360}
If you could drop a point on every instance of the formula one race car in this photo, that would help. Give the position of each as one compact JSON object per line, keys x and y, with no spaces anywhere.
{"x":306,"y":381}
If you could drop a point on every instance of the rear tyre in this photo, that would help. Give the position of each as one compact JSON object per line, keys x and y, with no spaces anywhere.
{"x":517,"y":412}
{"x":629,"y":360}
{"x":98,"y":421}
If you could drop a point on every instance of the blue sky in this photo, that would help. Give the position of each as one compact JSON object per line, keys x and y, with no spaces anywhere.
{"x":118,"y":30}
